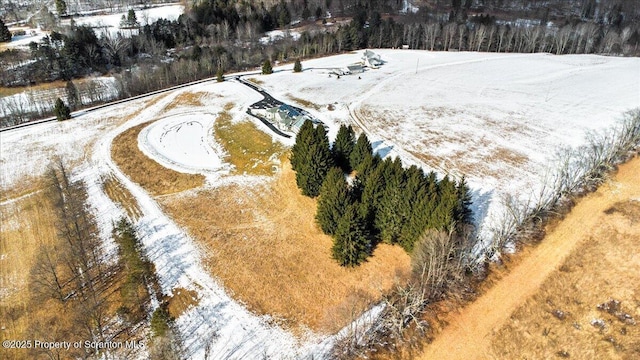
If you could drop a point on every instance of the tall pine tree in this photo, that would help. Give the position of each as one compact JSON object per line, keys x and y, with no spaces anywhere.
{"x":61,"y":111}
{"x":390,"y":212}
{"x":351,"y":245}
{"x":266,"y":68}
{"x":361,"y":150}
{"x":343,"y":147}
{"x":462,"y":214}
{"x":317,"y":163}
{"x":5,"y":34}
{"x":300,"y":149}
{"x":333,"y":202}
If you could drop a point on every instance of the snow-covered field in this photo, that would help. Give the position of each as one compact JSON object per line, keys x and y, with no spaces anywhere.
{"x":499,"y":119}
{"x":23,"y":41}
{"x":182,"y":140}
{"x":110,"y":24}
{"x":218,"y":325}
{"x":41,"y":99}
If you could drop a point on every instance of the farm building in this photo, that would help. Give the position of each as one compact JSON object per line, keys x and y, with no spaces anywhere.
{"x":354,"y":69}
{"x":371,"y":59}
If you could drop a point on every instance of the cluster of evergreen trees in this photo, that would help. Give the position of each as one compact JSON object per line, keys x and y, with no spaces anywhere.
{"x":364,"y":200}
{"x":5,"y":34}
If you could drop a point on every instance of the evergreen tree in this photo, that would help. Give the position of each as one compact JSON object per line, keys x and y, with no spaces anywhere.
{"x":160,"y":320}
{"x":372,"y":191}
{"x":220,"y":75}
{"x":132,"y":19}
{"x":361,"y":150}
{"x":300,"y":149}
{"x":72,"y":95}
{"x":390,"y":211}
{"x":463,"y":214}
{"x":5,"y":34}
{"x":343,"y":147}
{"x":61,"y":7}
{"x":443,"y":216}
{"x":351,"y":245}
{"x":297,"y":66}
{"x":61,"y":111}
{"x":333,"y":202}
{"x":316,"y":163}
{"x":266,"y":67}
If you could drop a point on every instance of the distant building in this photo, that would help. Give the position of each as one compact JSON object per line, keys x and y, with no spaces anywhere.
{"x":371,"y":59}
{"x":354,"y":69}
{"x":286,"y":117}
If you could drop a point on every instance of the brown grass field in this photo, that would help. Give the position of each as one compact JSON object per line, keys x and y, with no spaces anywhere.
{"x":186,"y":99}
{"x":120,"y":195}
{"x":562,"y":318}
{"x":262,"y":241}
{"x":29,"y":223}
{"x":264,"y":246}
{"x":55,"y":85}
{"x":248,"y":149}
{"x":152,"y":176}
{"x":544,"y":305}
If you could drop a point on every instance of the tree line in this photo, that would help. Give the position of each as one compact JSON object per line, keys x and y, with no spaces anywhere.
{"x":214,"y":37}
{"x":364,"y":200}
{"x":96,"y":295}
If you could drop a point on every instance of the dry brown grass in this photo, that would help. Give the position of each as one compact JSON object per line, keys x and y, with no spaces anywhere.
{"x":249,"y":150}
{"x":181,"y":301}
{"x":606,"y":267}
{"x":504,"y":321}
{"x":263,"y":244}
{"x":120,"y":195}
{"x":26,"y":225}
{"x":186,"y":99}
{"x":304,"y":103}
{"x":8,"y":91}
{"x":152,"y":176}
{"x":256,"y":81}
{"x":29,"y":223}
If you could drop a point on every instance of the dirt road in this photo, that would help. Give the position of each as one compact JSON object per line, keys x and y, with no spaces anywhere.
{"x":470,"y":331}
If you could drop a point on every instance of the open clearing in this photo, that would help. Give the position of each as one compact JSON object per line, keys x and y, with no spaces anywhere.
{"x":263,"y":245}
{"x":251,"y":232}
{"x":498,"y":119}
{"x":513,"y":319}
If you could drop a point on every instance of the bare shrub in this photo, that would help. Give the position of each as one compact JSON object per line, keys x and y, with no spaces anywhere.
{"x":573,"y":173}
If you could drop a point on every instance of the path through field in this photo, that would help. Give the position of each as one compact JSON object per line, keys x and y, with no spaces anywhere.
{"x":470,"y":331}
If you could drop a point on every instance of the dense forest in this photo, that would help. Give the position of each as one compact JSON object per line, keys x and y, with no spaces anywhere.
{"x":364,"y":200}
{"x":224,"y":35}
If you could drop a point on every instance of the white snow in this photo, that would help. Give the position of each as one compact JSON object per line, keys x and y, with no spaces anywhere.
{"x":459,"y":108}
{"x":38,"y":99}
{"x":110,"y":24}
{"x":499,"y":119}
{"x":276,"y":35}
{"x":23,"y":41}
{"x":182,"y":142}
{"x":218,"y":326}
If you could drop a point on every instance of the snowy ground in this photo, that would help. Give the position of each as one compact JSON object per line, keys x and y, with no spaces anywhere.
{"x":447,"y":111}
{"x":218,"y":326}
{"x":499,"y":119}
{"x":110,"y":24}
{"x":275,"y":35}
{"x":23,"y":41}
{"x":41,"y":99}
